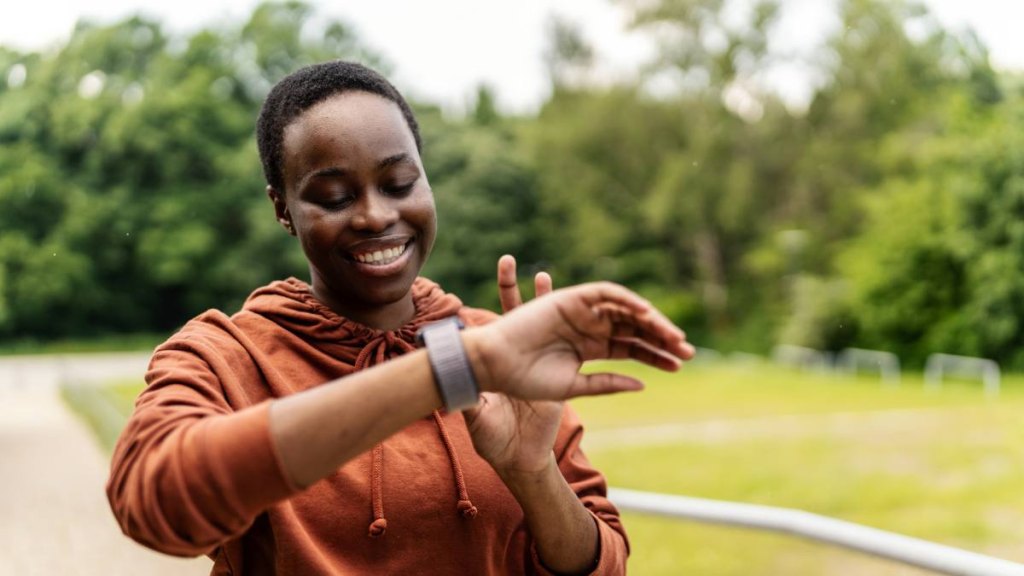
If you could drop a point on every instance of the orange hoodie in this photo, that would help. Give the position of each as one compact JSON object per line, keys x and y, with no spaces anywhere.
{"x":195,"y":471}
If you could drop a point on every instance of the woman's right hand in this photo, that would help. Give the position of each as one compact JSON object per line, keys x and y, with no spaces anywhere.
{"x":535,"y":351}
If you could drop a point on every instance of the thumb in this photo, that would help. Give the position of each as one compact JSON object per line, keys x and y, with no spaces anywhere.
{"x":602,"y":383}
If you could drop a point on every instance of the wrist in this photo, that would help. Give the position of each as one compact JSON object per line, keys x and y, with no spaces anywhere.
{"x":521,"y":480}
{"x":449,"y":362}
{"x":480,"y":351}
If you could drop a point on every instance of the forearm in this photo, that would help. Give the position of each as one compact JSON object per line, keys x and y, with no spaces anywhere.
{"x":189,"y":472}
{"x":316,"y":431}
{"x":564,"y":532}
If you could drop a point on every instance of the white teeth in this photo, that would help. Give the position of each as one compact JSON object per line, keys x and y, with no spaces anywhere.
{"x":380,"y":257}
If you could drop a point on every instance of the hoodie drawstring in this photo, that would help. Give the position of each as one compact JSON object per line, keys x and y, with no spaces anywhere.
{"x":378,"y":348}
{"x":379,"y":525}
{"x":465,"y":506}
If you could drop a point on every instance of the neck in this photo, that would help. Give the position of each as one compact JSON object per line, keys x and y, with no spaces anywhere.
{"x":383,"y":317}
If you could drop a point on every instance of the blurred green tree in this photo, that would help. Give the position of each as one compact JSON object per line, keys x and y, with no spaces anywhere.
{"x":486,"y":194}
{"x":132,"y":190}
{"x":940,"y":264}
{"x":885,"y":215}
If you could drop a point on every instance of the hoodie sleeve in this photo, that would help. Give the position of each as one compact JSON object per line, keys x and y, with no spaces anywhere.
{"x":188,"y":471}
{"x":592,"y":490}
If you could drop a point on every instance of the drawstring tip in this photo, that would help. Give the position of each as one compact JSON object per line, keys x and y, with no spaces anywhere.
{"x":378,"y":528}
{"x":467,"y":509}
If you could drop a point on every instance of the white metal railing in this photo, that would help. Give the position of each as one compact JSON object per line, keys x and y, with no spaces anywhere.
{"x":921,"y":553}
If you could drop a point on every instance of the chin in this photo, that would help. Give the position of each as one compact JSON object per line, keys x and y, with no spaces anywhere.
{"x":385,"y":293}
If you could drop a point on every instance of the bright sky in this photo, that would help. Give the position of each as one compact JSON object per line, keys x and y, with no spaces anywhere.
{"x":442,"y":49}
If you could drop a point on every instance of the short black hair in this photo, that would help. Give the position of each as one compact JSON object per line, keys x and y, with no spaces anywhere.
{"x":303,"y":89}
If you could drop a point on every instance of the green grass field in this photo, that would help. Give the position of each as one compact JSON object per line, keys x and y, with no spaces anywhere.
{"x":944,"y":465}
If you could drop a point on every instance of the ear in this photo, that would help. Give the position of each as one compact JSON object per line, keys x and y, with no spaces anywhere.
{"x":281,"y":209}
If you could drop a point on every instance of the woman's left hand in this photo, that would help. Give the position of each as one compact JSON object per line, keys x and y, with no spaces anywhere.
{"x":515,"y":436}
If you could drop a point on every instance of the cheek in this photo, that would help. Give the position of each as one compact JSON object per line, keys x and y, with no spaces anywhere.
{"x":315,"y":234}
{"x":428,"y":225}
{"x":429,"y":235}
{"x":424,"y":213}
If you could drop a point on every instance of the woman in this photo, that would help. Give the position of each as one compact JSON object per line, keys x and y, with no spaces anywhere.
{"x":276,"y":439}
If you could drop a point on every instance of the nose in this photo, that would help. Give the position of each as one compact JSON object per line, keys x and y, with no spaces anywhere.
{"x":374,"y":213}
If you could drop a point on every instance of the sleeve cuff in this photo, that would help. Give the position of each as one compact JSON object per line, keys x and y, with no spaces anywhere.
{"x":242,"y":449}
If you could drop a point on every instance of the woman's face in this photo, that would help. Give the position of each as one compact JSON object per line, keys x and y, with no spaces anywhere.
{"x":359,"y":202}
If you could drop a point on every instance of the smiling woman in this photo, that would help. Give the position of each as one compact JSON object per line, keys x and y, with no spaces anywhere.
{"x":275,"y":440}
{"x":355,"y":193}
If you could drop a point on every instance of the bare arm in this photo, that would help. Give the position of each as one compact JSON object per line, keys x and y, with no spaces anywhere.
{"x":318,"y":430}
{"x":533,"y":352}
{"x":565,"y":534}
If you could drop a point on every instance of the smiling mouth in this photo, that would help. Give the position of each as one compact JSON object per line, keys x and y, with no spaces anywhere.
{"x":381,"y":256}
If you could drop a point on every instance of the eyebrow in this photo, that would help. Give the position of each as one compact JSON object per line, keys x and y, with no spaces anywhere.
{"x":392,"y":160}
{"x":332,"y":171}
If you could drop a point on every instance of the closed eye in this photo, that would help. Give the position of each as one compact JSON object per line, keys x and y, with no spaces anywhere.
{"x":339,"y":203}
{"x":398,"y":190}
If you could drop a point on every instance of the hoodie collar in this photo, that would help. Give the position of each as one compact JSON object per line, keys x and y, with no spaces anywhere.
{"x":291,"y":304}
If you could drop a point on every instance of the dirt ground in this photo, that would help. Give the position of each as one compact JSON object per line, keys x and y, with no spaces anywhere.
{"x":54,"y":517}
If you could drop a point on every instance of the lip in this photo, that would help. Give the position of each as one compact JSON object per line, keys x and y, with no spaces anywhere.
{"x":377,"y":270}
{"x":379,"y":243}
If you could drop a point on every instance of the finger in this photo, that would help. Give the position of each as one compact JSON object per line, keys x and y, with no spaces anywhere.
{"x":636,"y":349}
{"x":595,"y":309}
{"x":602,"y":383}
{"x":596,"y":293}
{"x":650,"y":326}
{"x":676,"y":347}
{"x":542,"y":284}
{"x":508,"y":288}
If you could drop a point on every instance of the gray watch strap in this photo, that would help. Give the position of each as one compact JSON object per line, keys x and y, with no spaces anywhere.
{"x":452,"y":372}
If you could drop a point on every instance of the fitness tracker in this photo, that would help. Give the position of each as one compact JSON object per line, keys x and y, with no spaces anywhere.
{"x":448,"y":362}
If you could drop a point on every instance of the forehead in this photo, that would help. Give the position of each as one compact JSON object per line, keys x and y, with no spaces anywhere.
{"x":345,"y":130}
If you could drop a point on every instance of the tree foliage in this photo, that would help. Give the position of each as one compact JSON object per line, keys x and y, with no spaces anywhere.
{"x":887,"y":215}
{"x":132,"y":187}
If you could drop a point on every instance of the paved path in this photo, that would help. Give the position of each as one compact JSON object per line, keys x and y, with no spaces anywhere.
{"x":54,"y":517}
